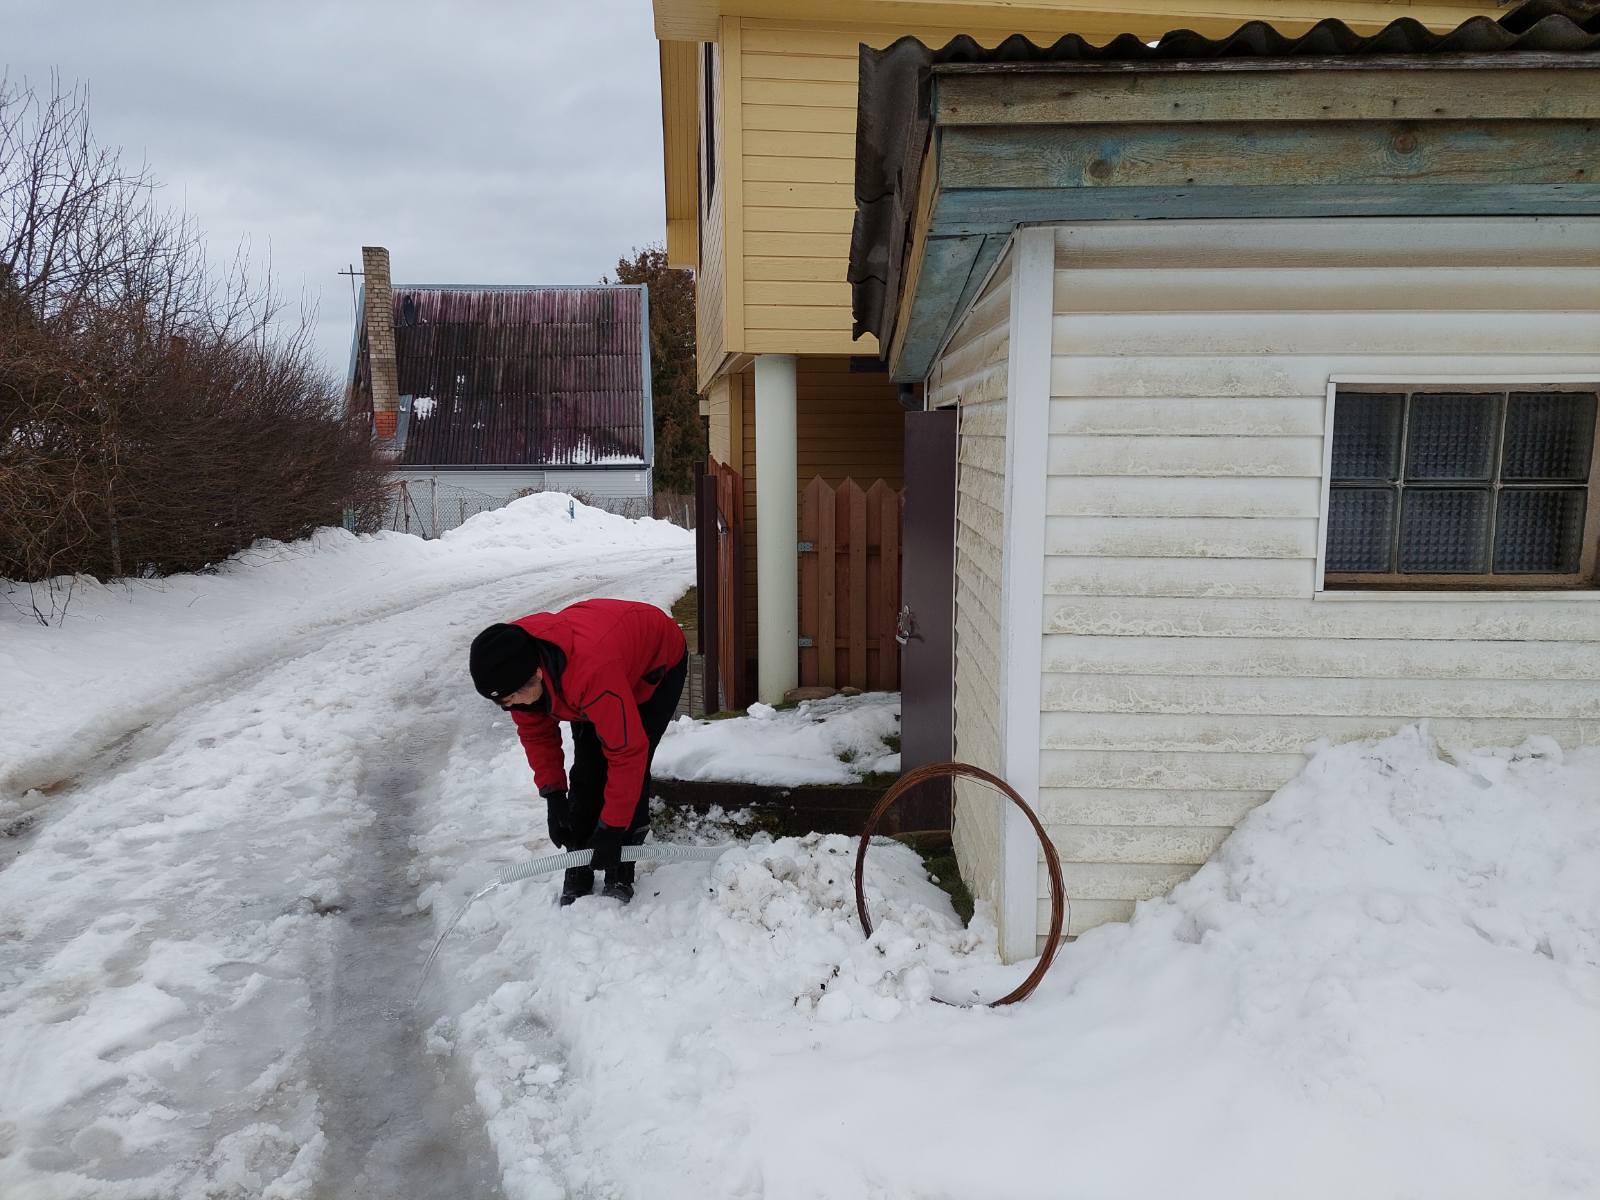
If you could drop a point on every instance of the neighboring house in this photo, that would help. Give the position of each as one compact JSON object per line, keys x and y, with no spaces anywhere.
{"x":497,"y":390}
{"x":759,"y":116}
{"x":1270,"y":367}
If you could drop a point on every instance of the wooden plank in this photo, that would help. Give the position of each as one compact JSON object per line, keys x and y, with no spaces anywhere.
{"x":788,"y":65}
{"x":1400,"y":699}
{"x":1217,"y":578}
{"x":799,"y":93}
{"x":832,"y":293}
{"x":1264,"y":154}
{"x":1315,"y":658}
{"x":1332,"y":244}
{"x":810,"y":269}
{"x":1210,"y":457}
{"x":1271,"y":334}
{"x":769,"y":168}
{"x":1334,"y":289}
{"x":1159,"y":97}
{"x":809,"y":506}
{"x":872,"y":581}
{"x":735,"y":190}
{"x":800,"y":118}
{"x":839,"y":197}
{"x":827,"y":589}
{"x":788,"y":219}
{"x":954,"y":269}
{"x":1149,"y":771}
{"x":826,"y":247}
{"x":800,"y":143}
{"x":1173,"y":844}
{"x":854,"y":500}
{"x":1131,"y":806}
{"x":1183,"y":537}
{"x":1207,"y":733}
{"x":1551,"y":617}
{"x":766,"y":318}
{"x":1255,"y":416}
{"x":1204,"y":496}
{"x":1305,"y":375}
{"x":978,"y":209}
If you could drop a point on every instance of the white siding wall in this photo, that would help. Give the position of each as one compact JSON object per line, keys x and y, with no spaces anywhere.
{"x":971,"y":373}
{"x":1187,"y":656}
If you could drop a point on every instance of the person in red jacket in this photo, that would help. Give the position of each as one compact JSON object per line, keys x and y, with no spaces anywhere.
{"x":614,"y":670}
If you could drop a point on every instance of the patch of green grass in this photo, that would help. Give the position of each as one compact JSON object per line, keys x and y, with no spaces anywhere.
{"x":940,"y":863}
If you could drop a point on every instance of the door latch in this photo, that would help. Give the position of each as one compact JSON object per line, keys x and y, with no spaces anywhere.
{"x":905,"y":626}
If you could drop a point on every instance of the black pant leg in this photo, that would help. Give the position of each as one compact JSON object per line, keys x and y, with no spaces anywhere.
{"x":586,"y":782}
{"x":655,"y":714}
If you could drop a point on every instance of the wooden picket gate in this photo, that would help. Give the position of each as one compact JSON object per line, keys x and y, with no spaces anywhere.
{"x":849,"y":585}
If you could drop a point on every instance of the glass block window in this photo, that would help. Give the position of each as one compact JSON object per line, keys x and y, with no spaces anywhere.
{"x":1462,"y":487}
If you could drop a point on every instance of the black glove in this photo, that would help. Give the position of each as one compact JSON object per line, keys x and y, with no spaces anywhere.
{"x":558,"y":814}
{"x":607,"y":846}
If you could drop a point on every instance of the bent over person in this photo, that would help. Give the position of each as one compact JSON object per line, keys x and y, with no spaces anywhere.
{"x":614,"y":670}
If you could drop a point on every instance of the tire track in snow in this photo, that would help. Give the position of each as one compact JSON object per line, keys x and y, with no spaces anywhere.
{"x":169,"y":958}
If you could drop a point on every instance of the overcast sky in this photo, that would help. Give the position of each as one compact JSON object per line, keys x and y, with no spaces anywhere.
{"x":481,"y":142}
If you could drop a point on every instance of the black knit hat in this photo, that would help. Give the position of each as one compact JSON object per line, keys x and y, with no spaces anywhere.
{"x":503,"y":659}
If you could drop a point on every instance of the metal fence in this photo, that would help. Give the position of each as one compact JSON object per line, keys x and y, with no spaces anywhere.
{"x":428,"y":508}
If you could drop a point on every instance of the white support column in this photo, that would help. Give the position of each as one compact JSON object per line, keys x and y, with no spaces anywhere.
{"x":1022,"y":585}
{"x":777,"y":525}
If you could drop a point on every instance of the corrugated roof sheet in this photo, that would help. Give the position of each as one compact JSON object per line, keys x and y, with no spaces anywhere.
{"x":523,"y":376}
{"x":893,"y":100}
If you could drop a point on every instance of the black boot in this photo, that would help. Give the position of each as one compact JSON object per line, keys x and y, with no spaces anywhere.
{"x":578,"y":881}
{"x":619,"y":883}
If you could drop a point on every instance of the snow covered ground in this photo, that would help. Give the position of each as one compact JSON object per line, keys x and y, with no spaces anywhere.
{"x":841,"y":739}
{"x":1386,"y":985}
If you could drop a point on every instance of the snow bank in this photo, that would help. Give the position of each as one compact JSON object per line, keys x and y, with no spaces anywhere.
{"x":1386,"y":984}
{"x":131,"y":652}
{"x":839,"y":740}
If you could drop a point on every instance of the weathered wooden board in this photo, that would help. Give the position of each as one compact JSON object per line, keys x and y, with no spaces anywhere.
{"x":1343,"y":658}
{"x":1183,"y":537}
{"x":1268,"y":154}
{"x":1135,"y":733}
{"x":1550,"y":617}
{"x":1153,"y":844}
{"x":1131,"y":806}
{"x":1401,"y":699}
{"x":1217,"y":578}
{"x":1100,"y":496}
{"x":1255,"y":457}
{"x":1162,"y":97}
{"x":1255,"y":416}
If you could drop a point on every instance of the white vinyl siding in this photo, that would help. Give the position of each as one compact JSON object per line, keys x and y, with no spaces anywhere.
{"x":971,"y":374}
{"x":1188,"y":659}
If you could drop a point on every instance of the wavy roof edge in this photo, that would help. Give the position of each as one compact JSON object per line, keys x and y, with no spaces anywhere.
{"x":893,"y":97}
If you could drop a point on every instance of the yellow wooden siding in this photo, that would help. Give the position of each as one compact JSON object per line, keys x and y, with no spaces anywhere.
{"x":799,"y":127}
{"x":719,"y":429}
{"x":680,"y":129}
{"x":710,"y":305}
{"x":848,"y":424}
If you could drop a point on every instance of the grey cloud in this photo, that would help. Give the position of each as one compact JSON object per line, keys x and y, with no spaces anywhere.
{"x":481,"y":142}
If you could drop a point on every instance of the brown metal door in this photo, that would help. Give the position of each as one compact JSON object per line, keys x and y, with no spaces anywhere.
{"x":927,"y":613}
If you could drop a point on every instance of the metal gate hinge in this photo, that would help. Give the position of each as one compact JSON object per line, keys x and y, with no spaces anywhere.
{"x":807,"y":547}
{"x":806,"y":643}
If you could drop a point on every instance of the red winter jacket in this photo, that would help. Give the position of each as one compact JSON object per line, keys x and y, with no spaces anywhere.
{"x":617,"y":651}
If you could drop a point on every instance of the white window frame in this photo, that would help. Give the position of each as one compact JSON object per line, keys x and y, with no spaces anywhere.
{"x":1360,"y":595}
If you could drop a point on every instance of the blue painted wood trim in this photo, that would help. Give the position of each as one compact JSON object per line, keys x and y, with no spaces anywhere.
{"x":970,"y":212}
{"x":961,"y":264}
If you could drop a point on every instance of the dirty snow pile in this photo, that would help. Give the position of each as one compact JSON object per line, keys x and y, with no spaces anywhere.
{"x":841,"y":739}
{"x":1387,"y":984}
{"x":126,"y":652}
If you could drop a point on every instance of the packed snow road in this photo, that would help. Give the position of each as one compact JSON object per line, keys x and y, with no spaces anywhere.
{"x":206,"y":951}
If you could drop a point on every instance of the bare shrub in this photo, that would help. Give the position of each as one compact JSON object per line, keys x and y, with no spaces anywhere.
{"x":154,"y":416}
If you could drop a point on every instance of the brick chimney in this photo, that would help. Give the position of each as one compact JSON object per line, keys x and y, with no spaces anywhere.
{"x":379,"y":313}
